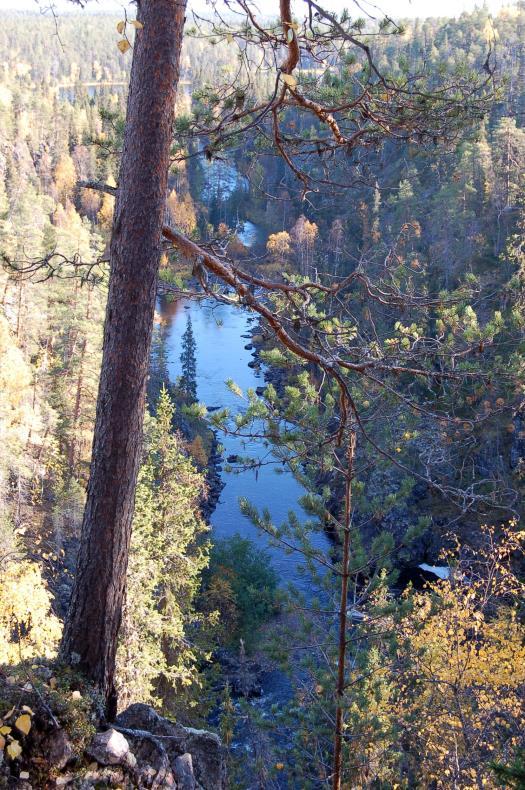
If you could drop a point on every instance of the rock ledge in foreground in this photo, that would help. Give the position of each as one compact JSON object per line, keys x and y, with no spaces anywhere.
{"x":180,"y":757}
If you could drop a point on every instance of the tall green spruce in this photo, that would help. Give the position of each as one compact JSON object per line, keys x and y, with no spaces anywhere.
{"x":188,"y":380}
{"x":169,"y":550}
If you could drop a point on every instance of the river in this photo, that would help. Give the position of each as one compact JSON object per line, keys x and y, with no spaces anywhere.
{"x":221,"y":333}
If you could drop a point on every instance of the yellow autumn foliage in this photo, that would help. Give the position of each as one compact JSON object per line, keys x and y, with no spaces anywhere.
{"x":182,"y":212}
{"x":27,"y":625}
{"x":105,"y":213}
{"x":65,"y":177}
{"x":17,"y":416}
{"x":444,"y":700}
{"x":15,"y":378}
{"x":461,"y":695}
{"x":279,"y":245}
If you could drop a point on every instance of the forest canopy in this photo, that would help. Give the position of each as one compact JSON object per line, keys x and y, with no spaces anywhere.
{"x":261,"y":357}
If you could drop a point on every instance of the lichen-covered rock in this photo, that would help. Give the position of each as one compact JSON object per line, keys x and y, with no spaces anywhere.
{"x":108,"y":777}
{"x":166,"y":741}
{"x":63,"y":749}
{"x":63,"y":781}
{"x":153,"y":769}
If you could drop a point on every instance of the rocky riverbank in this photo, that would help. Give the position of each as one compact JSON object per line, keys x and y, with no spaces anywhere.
{"x":214,"y":481}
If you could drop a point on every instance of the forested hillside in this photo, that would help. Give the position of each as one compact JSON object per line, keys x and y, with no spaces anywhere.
{"x":344,"y":199}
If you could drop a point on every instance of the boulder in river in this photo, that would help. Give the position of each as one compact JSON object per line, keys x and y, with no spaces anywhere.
{"x":421,"y":574}
{"x":242,"y":674}
{"x":440,"y":571}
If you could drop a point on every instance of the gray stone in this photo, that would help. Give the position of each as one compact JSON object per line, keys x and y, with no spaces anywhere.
{"x":130,"y":760}
{"x":109,"y":748}
{"x":183,"y":770}
{"x":57,"y":748}
{"x":153,"y":767}
{"x":62,"y":781}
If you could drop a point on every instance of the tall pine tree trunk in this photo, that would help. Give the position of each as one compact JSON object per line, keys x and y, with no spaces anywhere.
{"x":92,"y":626}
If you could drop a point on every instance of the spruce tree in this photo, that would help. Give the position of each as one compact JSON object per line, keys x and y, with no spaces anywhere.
{"x":157,"y":662}
{"x":188,"y":379}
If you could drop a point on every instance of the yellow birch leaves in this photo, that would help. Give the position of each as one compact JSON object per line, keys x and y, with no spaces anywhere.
{"x":8,"y":742}
{"x":124,"y":43}
{"x":23,"y":723}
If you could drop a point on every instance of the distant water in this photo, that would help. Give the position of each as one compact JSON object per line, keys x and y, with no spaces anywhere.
{"x":222,"y":179}
{"x":249,"y":233}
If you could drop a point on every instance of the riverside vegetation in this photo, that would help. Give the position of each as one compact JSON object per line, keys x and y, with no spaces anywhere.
{"x":383,"y":175}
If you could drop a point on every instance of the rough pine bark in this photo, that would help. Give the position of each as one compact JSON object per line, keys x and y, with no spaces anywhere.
{"x":93,"y":621}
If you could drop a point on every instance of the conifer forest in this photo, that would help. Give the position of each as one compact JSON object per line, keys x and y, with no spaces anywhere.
{"x":262,"y":413}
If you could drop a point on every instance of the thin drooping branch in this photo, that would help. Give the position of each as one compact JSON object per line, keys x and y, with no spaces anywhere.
{"x":236,"y":279}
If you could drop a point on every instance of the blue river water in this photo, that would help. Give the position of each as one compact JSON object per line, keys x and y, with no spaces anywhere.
{"x":221,"y":334}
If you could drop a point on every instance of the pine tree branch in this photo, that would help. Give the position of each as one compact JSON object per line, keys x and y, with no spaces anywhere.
{"x":98,"y":186}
